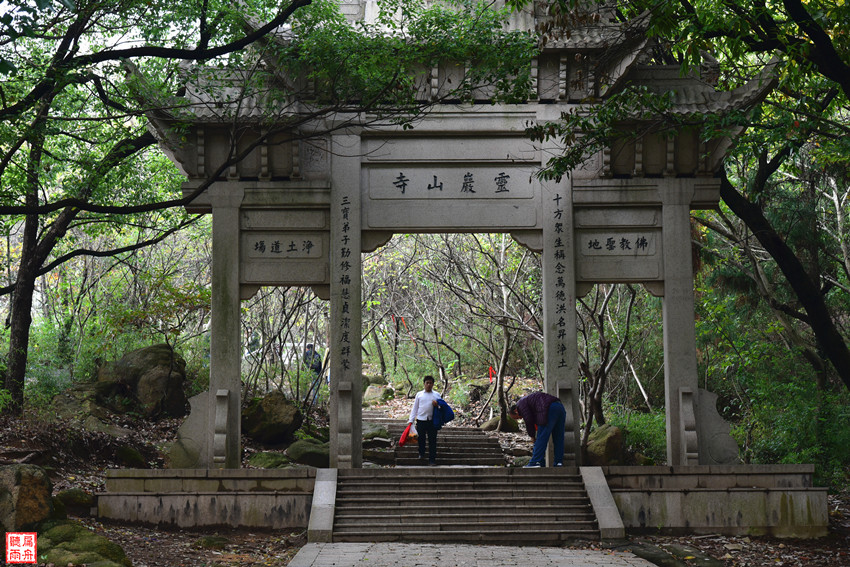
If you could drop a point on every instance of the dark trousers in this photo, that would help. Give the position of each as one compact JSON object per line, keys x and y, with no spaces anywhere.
{"x":427,"y":429}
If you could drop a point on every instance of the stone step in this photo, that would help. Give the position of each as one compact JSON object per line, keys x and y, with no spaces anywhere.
{"x":463,"y":505}
{"x":517,"y":510}
{"x":466,"y":483}
{"x":448,"y":491}
{"x":454,"y":462}
{"x":457,"y":524}
{"x":411,"y":488}
{"x":531,"y":536}
{"x":413,"y":450}
{"x":459,"y":502}
{"x":505,"y":475}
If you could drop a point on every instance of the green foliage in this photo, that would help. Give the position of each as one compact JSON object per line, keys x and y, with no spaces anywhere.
{"x":5,"y":399}
{"x":583,"y":132}
{"x":382,"y":66}
{"x":645,"y":433}
{"x":793,"y":422}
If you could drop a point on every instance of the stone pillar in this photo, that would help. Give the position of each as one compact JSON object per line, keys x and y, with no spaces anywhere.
{"x":680,"y":363}
{"x":345,"y":332}
{"x":559,"y":313}
{"x":225,"y":347}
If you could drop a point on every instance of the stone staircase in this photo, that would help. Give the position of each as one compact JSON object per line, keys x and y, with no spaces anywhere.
{"x":442,"y":505}
{"x":456,"y":446}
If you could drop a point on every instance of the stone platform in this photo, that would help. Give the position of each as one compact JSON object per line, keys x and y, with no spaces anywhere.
{"x":776,"y":500}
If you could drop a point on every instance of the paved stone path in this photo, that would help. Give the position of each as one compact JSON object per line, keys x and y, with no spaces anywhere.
{"x":456,"y":555}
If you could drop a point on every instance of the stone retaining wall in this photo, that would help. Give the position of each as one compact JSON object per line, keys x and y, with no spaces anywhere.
{"x":279,"y":498}
{"x":776,"y":500}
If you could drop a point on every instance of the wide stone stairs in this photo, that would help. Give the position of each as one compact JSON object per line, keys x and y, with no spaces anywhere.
{"x":442,"y":505}
{"x":458,"y":446}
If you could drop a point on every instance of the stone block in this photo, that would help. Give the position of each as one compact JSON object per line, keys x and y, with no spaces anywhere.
{"x":163,"y":485}
{"x":279,"y":484}
{"x":778,"y":513}
{"x":250,"y":510}
{"x":199,"y":485}
{"x":240,"y":485}
{"x":125,"y":484}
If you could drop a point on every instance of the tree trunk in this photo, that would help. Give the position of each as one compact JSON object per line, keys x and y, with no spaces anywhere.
{"x":396,"y":331}
{"x":500,"y":379}
{"x":380,"y":352}
{"x":808,"y":292}
{"x":19,"y":336}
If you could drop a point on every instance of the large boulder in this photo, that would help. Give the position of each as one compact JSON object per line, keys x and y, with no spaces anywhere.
{"x":76,"y":501}
{"x":153,"y":376}
{"x":25,"y":496}
{"x":272,"y":420}
{"x":511,"y":425}
{"x":147,"y":381}
{"x":310,"y":452}
{"x":376,"y":394}
{"x":605,"y":446}
{"x":269,"y":460}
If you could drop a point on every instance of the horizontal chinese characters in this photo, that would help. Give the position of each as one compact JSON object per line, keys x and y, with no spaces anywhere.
{"x":617,"y":243}
{"x":467,"y":183}
{"x":272,"y":246}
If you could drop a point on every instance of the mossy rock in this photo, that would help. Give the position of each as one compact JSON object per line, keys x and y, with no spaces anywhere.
{"x":372,"y":430}
{"x":61,"y":532}
{"x":312,"y":432}
{"x":511,"y":425}
{"x":271,"y":420}
{"x":269,"y":460}
{"x":130,"y":458}
{"x":64,"y":542}
{"x":605,"y":446}
{"x":76,"y":500}
{"x":376,"y":380}
{"x":644,"y":461}
{"x":61,"y":556}
{"x":310,"y":452}
{"x":92,"y":543}
{"x":374,"y":394}
{"x":379,"y":456}
{"x":59,"y":510}
{"x":76,"y":497}
{"x":521,"y":461}
{"x":211,"y":542}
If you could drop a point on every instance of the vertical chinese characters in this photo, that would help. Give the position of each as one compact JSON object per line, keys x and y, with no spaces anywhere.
{"x":345,"y":282}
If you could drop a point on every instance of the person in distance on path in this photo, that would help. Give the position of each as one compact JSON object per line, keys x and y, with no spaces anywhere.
{"x":423,"y":411}
{"x":544,"y":416}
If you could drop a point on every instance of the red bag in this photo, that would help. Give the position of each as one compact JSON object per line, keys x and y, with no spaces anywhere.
{"x":404,"y":435}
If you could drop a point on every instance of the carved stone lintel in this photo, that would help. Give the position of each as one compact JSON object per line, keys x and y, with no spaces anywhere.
{"x":371,"y":240}
{"x":248,"y":291}
{"x":531,"y":239}
{"x":583,"y":288}
{"x":654,"y":288}
{"x":322,"y":291}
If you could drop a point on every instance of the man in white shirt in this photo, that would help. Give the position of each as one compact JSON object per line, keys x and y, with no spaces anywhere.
{"x":423,"y":412}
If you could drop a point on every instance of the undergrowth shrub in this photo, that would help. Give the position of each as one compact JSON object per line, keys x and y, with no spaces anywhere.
{"x":644,"y":432}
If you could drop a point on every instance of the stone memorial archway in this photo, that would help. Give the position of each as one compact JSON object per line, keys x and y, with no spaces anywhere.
{"x":298,"y":213}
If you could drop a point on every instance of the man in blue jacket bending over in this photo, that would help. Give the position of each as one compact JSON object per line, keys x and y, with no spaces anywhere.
{"x":423,"y":412}
{"x":544,"y":415}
